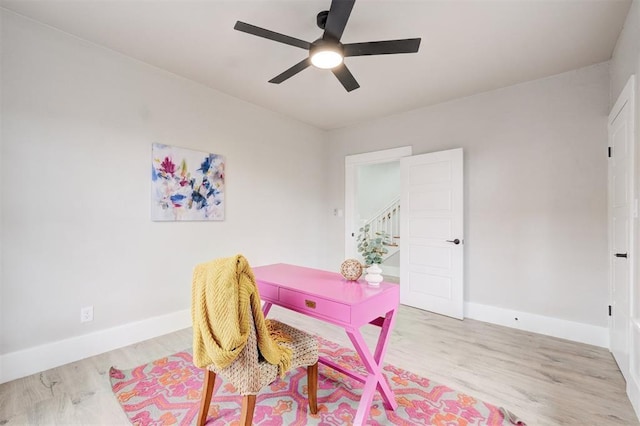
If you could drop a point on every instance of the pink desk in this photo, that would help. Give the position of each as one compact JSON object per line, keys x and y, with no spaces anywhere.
{"x":327,"y":296}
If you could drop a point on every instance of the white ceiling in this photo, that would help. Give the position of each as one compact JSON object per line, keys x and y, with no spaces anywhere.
{"x":467,"y":46}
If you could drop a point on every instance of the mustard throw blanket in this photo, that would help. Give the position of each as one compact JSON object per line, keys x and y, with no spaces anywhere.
{"x":224,"y":294}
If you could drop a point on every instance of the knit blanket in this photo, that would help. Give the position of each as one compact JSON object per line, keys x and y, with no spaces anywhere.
{"x":224,"y":294}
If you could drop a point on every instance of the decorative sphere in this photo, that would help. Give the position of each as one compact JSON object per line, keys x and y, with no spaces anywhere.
{"x":351,"y":269}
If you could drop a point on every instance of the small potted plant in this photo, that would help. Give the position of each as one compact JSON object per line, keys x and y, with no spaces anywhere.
{"x":372,"y":248}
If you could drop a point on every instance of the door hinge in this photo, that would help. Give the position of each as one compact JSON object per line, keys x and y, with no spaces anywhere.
{"x":609,"y":310}
{"x":609,"y":151}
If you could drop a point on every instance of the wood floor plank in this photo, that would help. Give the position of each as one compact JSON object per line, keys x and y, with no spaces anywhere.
{"x":544,"y":380}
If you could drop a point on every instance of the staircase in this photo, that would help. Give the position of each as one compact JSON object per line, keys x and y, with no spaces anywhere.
{"x":387,"y":220}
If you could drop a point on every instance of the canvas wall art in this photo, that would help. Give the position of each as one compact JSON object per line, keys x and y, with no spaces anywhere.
{"x":186,"y":184}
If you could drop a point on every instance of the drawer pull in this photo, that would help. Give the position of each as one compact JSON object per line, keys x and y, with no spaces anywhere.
{"x":310,"y":304}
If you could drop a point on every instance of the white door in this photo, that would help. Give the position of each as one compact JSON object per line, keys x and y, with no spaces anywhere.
{"x":620,"y":229}
{"x":432,"y":240}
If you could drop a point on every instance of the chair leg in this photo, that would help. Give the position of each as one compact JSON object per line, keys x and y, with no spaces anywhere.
{"x":248,"y":406}
{"x":312,"y":387}
{"x":205,"y":398}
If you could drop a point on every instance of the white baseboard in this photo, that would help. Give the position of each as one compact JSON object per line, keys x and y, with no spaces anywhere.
{"x":33,"y":360}
{"x":570,"y":330}
{"x":15,"y":365}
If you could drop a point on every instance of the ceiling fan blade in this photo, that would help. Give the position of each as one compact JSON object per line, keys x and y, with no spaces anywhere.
{"x":337,"y":19}
{"x":388,"y":47}
{"x":271,"y":35}
{"x":291,"y":71}
{"x":345,"y":77}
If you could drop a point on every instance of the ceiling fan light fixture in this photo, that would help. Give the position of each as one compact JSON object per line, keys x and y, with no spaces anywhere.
{"x":326,"y":56}
{"x":327,"y":52}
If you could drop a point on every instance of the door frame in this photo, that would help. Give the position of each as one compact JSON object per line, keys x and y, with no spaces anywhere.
{"x":351,"y":163}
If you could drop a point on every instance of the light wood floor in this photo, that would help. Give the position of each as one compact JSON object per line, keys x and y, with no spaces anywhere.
{"x":545,"y":381}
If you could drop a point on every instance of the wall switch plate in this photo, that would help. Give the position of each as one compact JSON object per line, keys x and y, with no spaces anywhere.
{"x":86,"y":314}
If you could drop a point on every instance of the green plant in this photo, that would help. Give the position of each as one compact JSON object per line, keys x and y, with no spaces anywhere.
{"x":371,"y":247}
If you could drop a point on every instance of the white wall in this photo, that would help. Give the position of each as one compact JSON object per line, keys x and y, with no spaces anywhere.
{"x":535,"y":191}
{"x":378,"y":184}
{"x":624,"y":63}
{"x":78,"y":124}
{"x":625,"y":59}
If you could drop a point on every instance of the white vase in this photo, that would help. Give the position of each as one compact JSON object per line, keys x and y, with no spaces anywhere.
{"x":373,"y":276}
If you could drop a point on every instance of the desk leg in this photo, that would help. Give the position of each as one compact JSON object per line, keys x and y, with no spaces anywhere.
{"x":266,"y":308}
{"x":373,"y":363}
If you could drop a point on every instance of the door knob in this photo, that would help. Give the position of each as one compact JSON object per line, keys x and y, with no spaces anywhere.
{"x":456,"y":241}
{"x":621,"y":254}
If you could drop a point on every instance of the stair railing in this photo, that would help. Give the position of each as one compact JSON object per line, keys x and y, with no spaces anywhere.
{"x":387,"y":220}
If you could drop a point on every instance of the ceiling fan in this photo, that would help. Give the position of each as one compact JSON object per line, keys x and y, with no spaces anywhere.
{"x":327,"y":52}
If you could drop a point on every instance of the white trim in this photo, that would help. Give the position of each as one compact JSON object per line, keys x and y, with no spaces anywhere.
{"x":383,"y":156}
{"x":556,"y":327}
{"x":626,"y":95}
{"x":15,"y":365}
{"x":350,"y":175}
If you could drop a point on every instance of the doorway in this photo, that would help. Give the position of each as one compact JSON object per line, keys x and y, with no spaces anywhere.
{"x":363,"y":179}
{"x":430,"y":232}
{"x":378,"y":206}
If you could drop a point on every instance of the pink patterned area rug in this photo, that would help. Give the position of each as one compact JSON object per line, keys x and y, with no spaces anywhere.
{"x":167,"y":392}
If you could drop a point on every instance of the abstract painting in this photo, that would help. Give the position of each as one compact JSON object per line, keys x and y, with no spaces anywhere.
{"x":186,"y":184}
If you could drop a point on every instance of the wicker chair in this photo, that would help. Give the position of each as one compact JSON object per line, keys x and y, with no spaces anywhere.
{"x":250,"y":372}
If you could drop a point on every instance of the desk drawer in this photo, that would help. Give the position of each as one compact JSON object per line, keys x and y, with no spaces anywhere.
{"x":268,"y":292}
{"x":315,"y":305}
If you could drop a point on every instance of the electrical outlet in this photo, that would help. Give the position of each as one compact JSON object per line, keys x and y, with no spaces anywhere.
{"x":86,"y":314}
